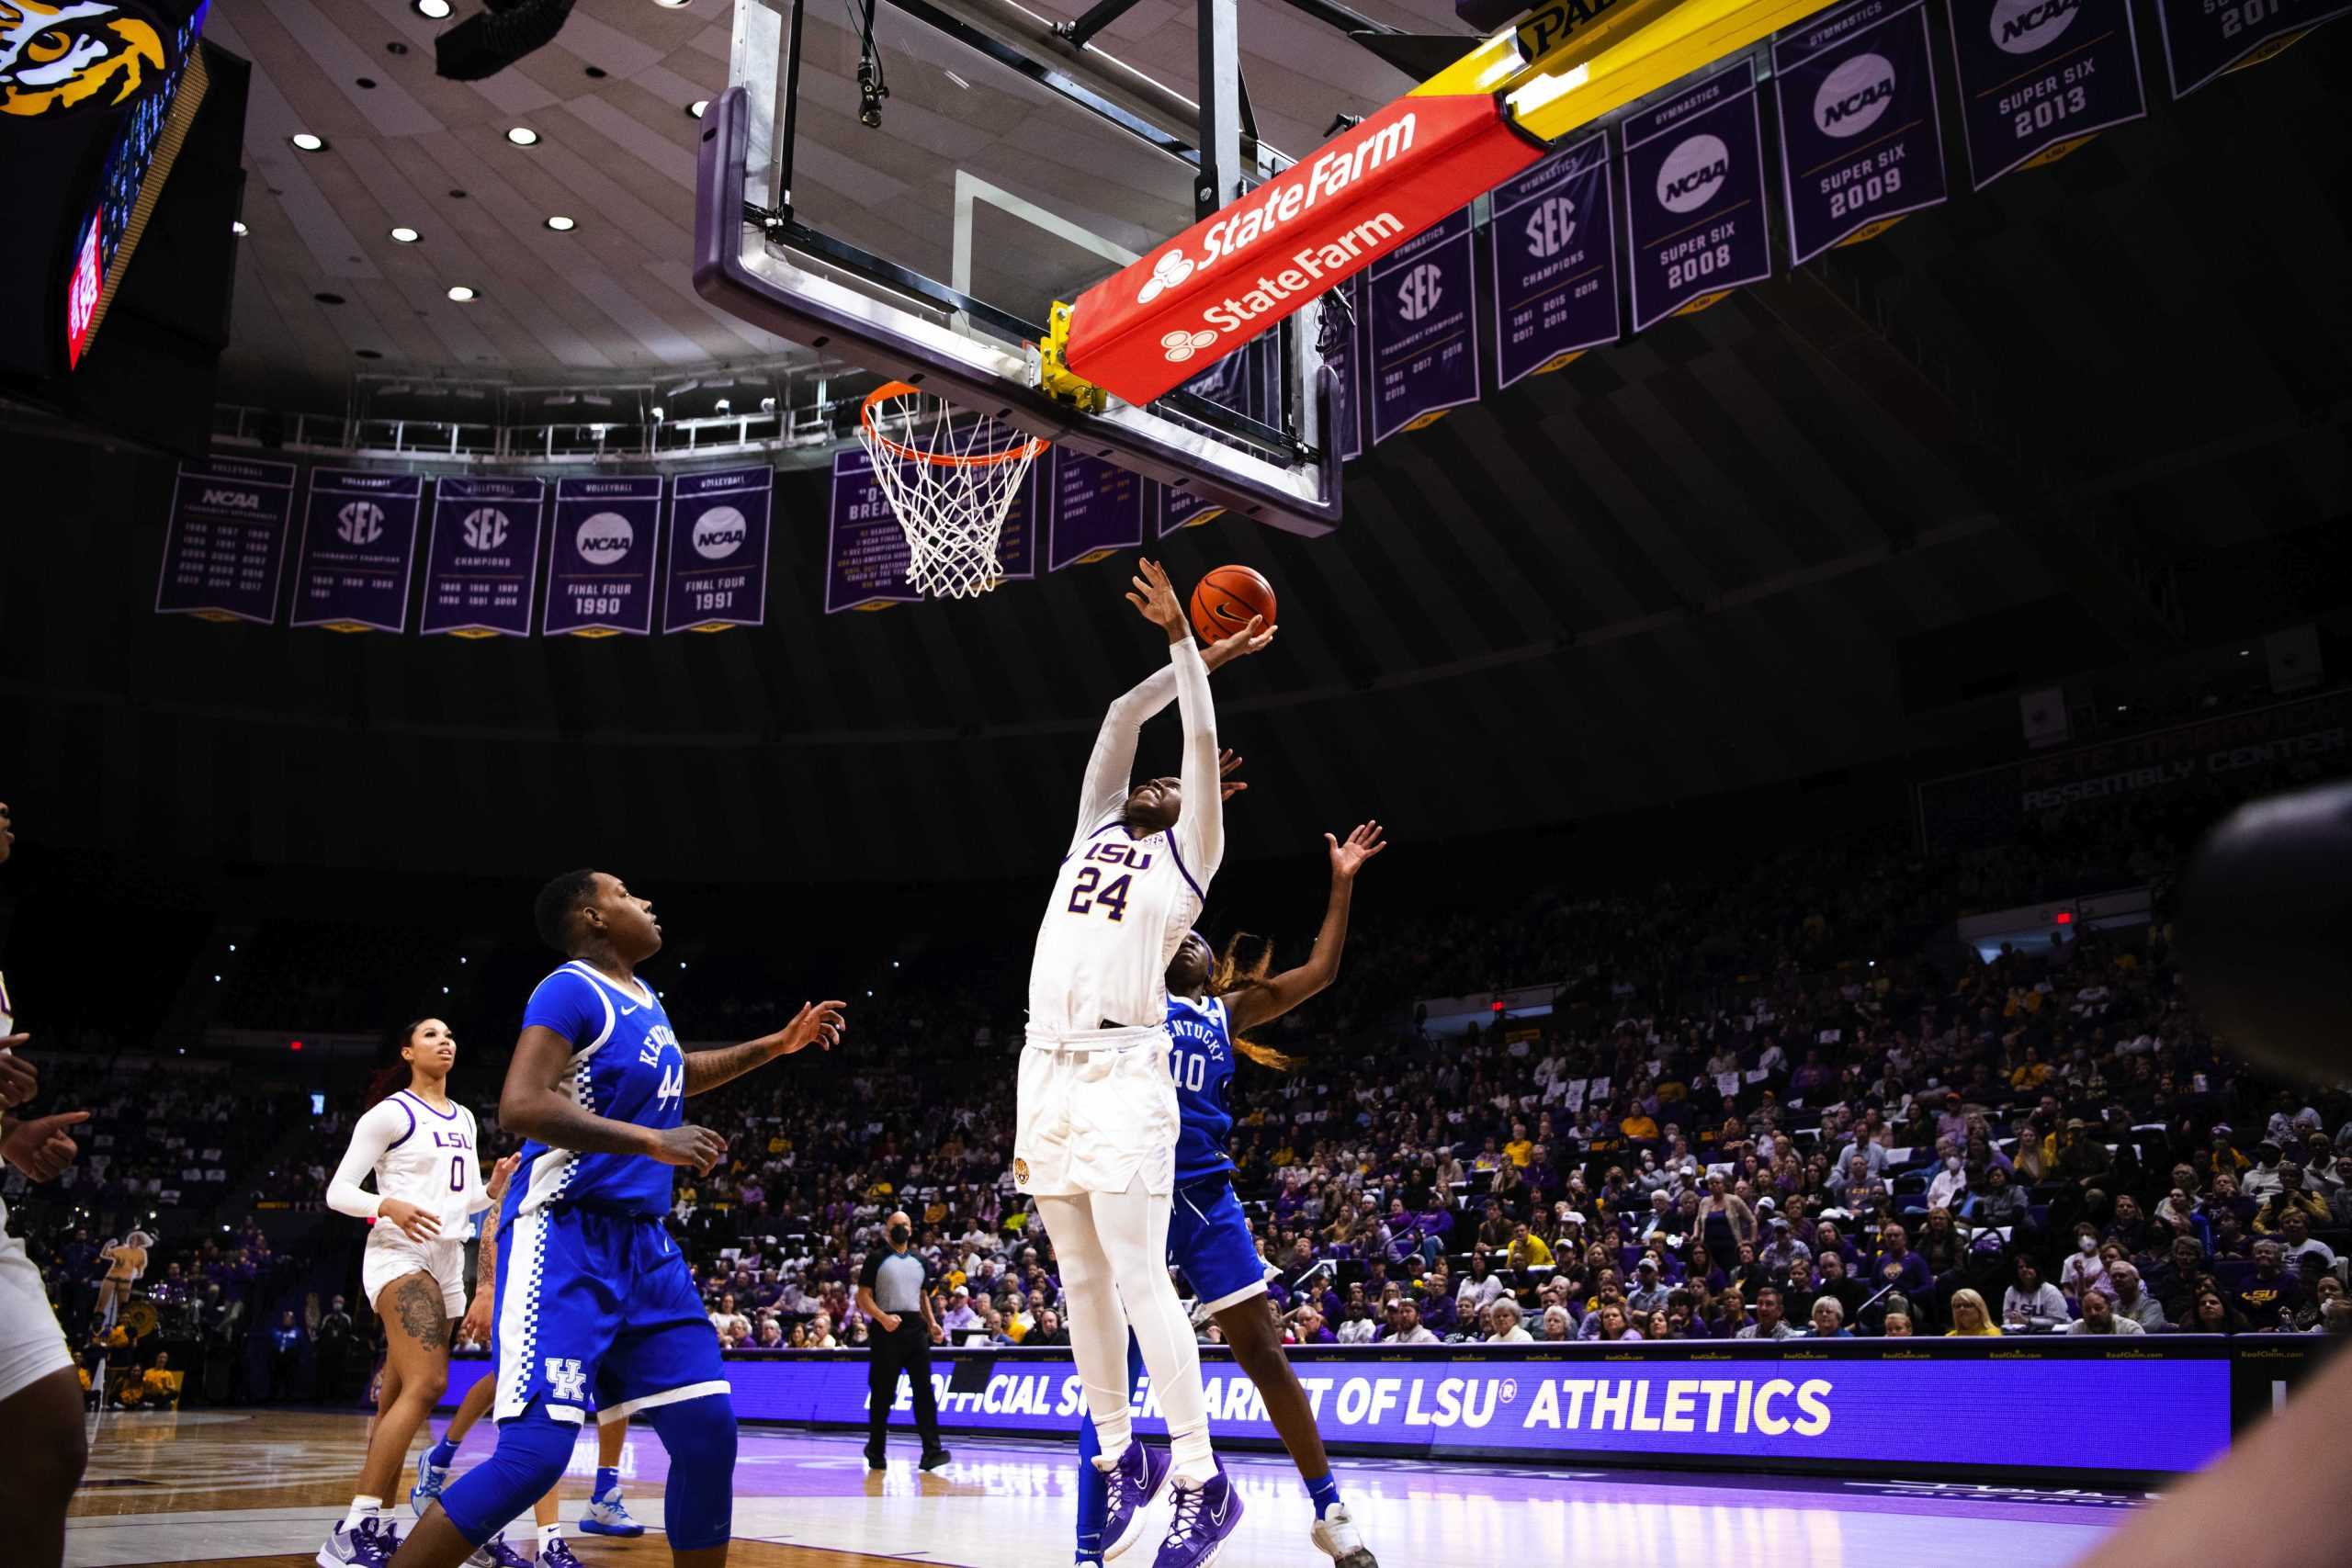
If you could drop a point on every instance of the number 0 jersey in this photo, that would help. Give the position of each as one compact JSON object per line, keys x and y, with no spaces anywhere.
{"x":626,"y":1066}
{"x":1200,"y":1058}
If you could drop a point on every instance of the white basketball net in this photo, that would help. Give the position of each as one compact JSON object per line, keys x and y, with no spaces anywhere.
{"x":949,"y":480}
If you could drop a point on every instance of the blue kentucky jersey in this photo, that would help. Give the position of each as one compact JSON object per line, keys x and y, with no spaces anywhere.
{"x":625,"y":1066}
{"x":1199,"y":1056}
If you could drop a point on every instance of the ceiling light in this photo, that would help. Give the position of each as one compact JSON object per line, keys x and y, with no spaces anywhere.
{"x":406,"y":236}
{"x":434,"y":9}
{"x":657,"y":413}
{"x":562,"y":224}
{"x":672,"y":5}
{"x":461,"y":294}
{"x":698,"y":106}
{"x":523,"y":136}
{"x":306,"y":141}
{"x":724,"y":405}
{"x":237,"y":227}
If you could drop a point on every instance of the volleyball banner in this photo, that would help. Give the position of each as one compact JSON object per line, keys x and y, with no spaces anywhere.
{"x":1859,"y":144}
{"x":1556,"y":263}
{"x":2205,"y":38}
{"x":2037,"y":78}
{"x":224,"y":542}
{"x":719,"y":550}
{"x":865,"y":550}
{"x":359,"y":547}
{"x":1694,"y":197}
{"x":600,"y":571}
{"x":1096,"y":508}
{"x":1421,"y":322}
{"x":481,"y":557}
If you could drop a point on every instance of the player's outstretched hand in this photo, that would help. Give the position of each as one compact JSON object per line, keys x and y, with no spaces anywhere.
{"x":1349,"y":857}
{"x":500,"y":1175}
{"x":1228,"y":762}
{"x":689,"y":1144}
{"x":415,"y":1223}
{"x":1155,"y":600}
{"x":41,"y":1147}
{"x":1255,"y":638}
{"x":817,"y":1023}
{"x":19,"y":1080}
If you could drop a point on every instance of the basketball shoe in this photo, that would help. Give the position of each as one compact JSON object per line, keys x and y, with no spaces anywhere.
{"x":1335,"y":1536}
{"x":1135,"y":1481}
{"x":1205,"y":1515}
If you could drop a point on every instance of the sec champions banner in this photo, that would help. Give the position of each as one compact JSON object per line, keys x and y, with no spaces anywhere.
{"x":358,"y":546}
{"x":600,"y":570}
{"x":481,"y":557}
{"x":719,"y":550}
{"x":225,"y":540}
{"x":1422,"y":304}
{"x":2037,"y":78}
{"x":1556,"y":263}
{"x":2204,"y":38}
{"x":1694,"y":197}
{"x":1860,"y":145}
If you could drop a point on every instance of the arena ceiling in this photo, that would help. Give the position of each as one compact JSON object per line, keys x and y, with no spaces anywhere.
{"x":2097,"y":416}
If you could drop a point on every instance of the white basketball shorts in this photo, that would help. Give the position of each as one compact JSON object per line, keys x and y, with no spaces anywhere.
{"x":392,"y":1254}
{"x":31,"y":1344}
{"x":1097,"y":1108}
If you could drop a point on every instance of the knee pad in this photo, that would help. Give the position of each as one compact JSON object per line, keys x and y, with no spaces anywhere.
{"x":698,"y":1504}
{"x":532,"y":1450}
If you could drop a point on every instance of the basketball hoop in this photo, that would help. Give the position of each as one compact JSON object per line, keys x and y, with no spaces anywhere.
{"x":949,"y":481}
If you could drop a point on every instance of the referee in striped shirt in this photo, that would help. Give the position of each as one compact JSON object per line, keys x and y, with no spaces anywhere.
{"x":891,"y":1293}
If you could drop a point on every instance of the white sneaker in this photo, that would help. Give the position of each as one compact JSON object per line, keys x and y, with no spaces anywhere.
{"x":1335,"y":1536}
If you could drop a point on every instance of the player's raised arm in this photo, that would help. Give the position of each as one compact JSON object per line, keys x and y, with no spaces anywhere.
{"x":1253,"y":1005}
{"x":817,"y":1023}
{"x":1201,"y":829}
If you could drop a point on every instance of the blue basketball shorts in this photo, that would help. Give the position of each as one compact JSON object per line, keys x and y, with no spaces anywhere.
{"x":598,"y":1310}
{"x":1208,"y":1238}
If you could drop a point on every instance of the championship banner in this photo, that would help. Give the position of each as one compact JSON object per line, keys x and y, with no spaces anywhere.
{"x":1860,"y":145}
{"x":1556,"y":263}
{"x":1694,"y":197}
{"x":1181,"y":509}
{"x":600,"y":571}
{"x":865,"y":550}
{"x":358,"y":546}
{"x":481,"y":557}
{"x":2037,"y":78}
{"x":1016,"y":536}
{"x":1347,"y":363}
{"x":719,"y":550}
{"x":1422,"y":304}
{"x":225,"y":544}
{"x":2205,"y":38}
{"x":1097,"y":508}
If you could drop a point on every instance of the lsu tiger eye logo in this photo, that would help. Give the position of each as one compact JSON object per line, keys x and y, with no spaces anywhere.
{"x":60,"y":57}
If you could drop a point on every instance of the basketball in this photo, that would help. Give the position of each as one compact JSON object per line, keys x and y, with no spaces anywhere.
{"x":1225,"y":599}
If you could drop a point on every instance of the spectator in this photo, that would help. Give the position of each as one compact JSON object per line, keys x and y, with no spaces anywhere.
{"x":1898,"y":1266}
{"x":1949,"y":1187}
{"x":1613,"y":1325}
{"x":1829,"y":1319}
{"x":731,"y":1325}
{"x":1970,"y":1317}
{"x":1898,"y":1324}
{"x":1503,"y":1326}
{"x":1648,"y":1294}
{"x":2214,"y":1315}
{"x":2001,"y":1203}
{"x":1404,"y":1327}
{"x":2033,"y":1302}
{"x":2083,"y":1271}
{"x":284,"y":1356}
{"x":2269,"y":1293}
{"x":1725,"y":1223}
{"x":1528,"y":1250}
{"x":2326,"y":1311}
{"x":959,"y":1318}
{"x":2290,"y":1198}
{"x":2133,"y":1301}
{"x":1769,"y":1324}
{"x":1558,"y":1328}
{"x":2100,"y":1316}
{"x":2300,"y":1250}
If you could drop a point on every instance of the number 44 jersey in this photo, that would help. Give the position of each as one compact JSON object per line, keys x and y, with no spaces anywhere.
{"x":626,"y":1067}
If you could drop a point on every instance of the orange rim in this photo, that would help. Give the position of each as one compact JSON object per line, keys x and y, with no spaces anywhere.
{"x":904,"y":453}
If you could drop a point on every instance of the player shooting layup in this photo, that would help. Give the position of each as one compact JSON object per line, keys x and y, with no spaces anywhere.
{"x":1096,"y":1139}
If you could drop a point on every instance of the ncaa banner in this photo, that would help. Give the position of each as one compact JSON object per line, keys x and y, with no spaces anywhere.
{"x":599,"y":572}
{"x":1694,"y":197}
{"x":719,"y":550}
{"x":481,"y":557}
{"x":358,"y":545}
{"x":2037,"y":78}
{"x":1422,"y":304}
{"x":224,"y":542}
{"x":2204,"y":38}
{"x":866,"y":557}
{"x":1096,"y":507}
{"x":1858,"y":140}
{"x":1556,"y":263}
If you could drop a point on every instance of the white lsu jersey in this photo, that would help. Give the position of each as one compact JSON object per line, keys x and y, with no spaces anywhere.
{"x":1119,"y":909}
{"x":418,"y":1155}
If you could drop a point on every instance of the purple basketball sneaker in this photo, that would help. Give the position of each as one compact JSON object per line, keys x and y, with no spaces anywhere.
{"x":367,"y":1544}
{"x":1205,"y":1515}
{"x":1135,"y":1481}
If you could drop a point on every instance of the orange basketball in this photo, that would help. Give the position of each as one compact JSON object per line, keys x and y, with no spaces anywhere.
{"x":1227,"y":598}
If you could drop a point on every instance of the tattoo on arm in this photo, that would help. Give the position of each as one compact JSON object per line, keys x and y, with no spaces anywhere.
{"x":417,"y":1303}
{"x":706,"y":1070}
{"x":486,"y":1265}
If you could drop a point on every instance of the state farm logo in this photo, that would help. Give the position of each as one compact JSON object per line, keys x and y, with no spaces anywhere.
{"x":2024,"y":27}
{"x":720,"y":533}
{"x":1551,"y":227}
{"x":1177,"y":347}
{"x":485,"y":528}
{"x":604,"y":538}
{"x":1166,"y":272}
{"x":359,"y":522}
{"x":1418,"y":294}
{"x":1854,"y":96}
{"x":1692,"y":172}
